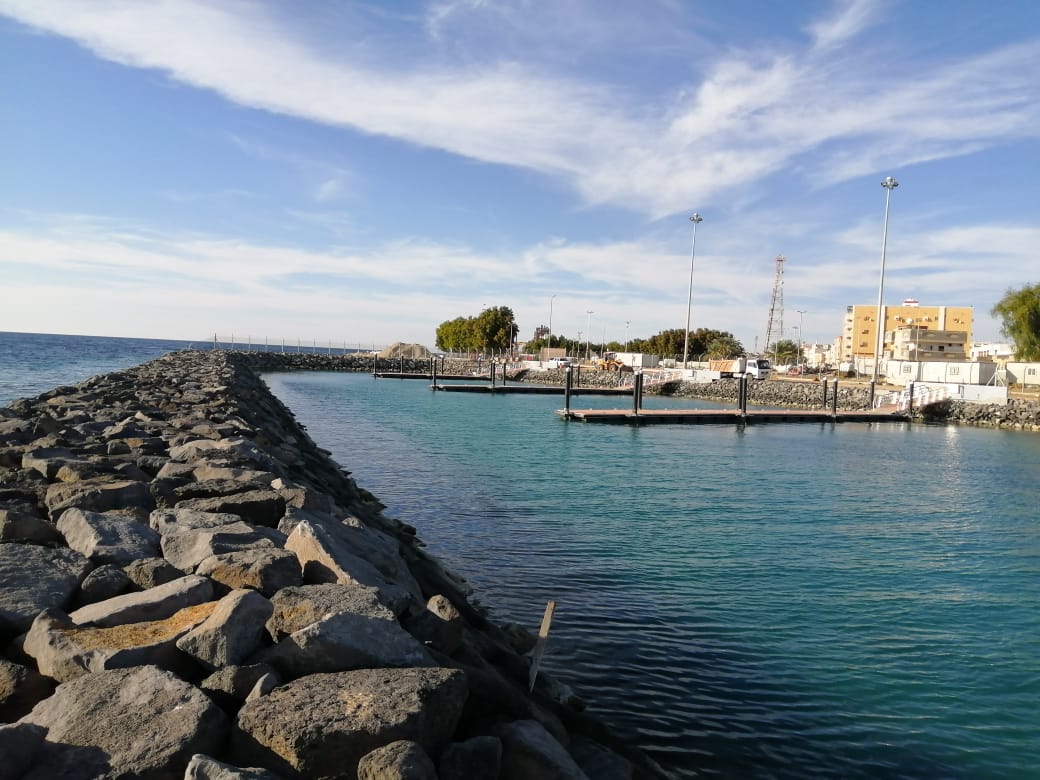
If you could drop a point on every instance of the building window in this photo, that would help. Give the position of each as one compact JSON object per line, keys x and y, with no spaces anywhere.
{"x":942,"y":348}
{"x":908,"y":369}
{"x":955,"y":370}
{"x":1030,"y":372}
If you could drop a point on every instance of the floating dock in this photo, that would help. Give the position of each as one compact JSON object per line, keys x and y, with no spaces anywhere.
{"x":724,"y":416}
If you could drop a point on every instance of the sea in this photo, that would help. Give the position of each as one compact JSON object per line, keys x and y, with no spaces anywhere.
{"x":771,"y":601}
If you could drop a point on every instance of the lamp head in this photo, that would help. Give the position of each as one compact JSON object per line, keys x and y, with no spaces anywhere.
{"x":889,"y":183}
{"x":695,"y":218}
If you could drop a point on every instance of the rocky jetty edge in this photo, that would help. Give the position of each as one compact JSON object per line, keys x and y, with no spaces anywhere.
{"x":190,"y":587}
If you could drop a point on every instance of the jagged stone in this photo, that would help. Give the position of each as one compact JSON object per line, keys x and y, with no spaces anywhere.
{"x":218,"y":488}
{"x":142,"y":722}
{"x":349,"y":715}
{"x":18,"y":525}
{"x":529,"y":752}
{"x":600,"y":762}
{"x":230,"y":685}
{"x":34,"y":578}
{"x":400,"y":760}
{"x":205,"y":768}
{"x":344,"y":641}
{"x":21,"y":688}
{"x":156,"y":603}
{"x":189,"y":537}
{"x":19,"y":745}
{"x":265,"y":570}
{"x":209,"y":471}
{"x":107,"y":538}
{"x":232,"y":632}
{"x":103,"y":583}
{"x":47,"y":460}
{"x":64,"y":651}
{"x":479,"y":758}
{"x":148,"y":573}
{"x":327,"y":558}
{"x":175,"y":470}
{"x":198,"y":451}
{"x":296,"y":608}
{"x":97,"y":495}
{"x":439,"y":626}
{"x":264,"y":686}
{"x":259,"y":507}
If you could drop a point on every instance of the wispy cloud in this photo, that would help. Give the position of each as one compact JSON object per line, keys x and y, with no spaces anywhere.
{"x":753,"y":114}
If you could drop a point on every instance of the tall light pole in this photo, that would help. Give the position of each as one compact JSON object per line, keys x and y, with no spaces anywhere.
{"x":588,"y":333}
{"x":801,"y":336}
{"x":889,"y":184}
{"x":696,"y":219}
{"x":627,"y":322}
{"x":550,"y":322}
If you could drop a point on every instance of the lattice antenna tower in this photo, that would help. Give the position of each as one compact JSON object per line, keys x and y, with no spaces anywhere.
{"x":775,"y":326}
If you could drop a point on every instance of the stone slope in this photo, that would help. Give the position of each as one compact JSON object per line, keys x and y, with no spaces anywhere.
{"x":189,"y":585}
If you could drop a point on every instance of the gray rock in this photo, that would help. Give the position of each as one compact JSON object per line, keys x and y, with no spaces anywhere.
{"x":230,"y":685}
{"x":19,"y":745}
{"x":232,"y":633}
{"x":297,"y":607}
{"x":190,"y":536}
{"x":64,"y":651}
{"x":400,"y":760}
{"x":529,"y":752}
{"x":147,"y":573}
{"x":47,"y":460}
{"x":265,"y":570}
{"x":350,"y":714}
{"x":264,"y":686}
{"x":208,"y":471}
{"x":21,"y":526}
{"x":34,"y":578}
{"x":146,"y":722}
{"x":439,"y":626}
{"x":479,"y":758}
{"x":216,"y":488}
{"x":259,"y":507}
{"x":205,"y":768}
{"x":103,"y":583}
{"x":328,"y":558}
{"x":98,"y":495}
{"x":600,"y":762}
{"x":174,"y":470}
{"x":107,"y":538}
{"x":199,"y":451}
{"x":21,"y":688}
{"x":344,"y":641}
{"x":156,"y":603}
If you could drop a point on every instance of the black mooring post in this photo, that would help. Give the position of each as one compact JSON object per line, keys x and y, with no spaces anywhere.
{"x":743,"y":394}
{"x":642,"y":386}
{"x":824,"y":393}
{"x":577,"y":376}
{"x":910,"y":403}
{"x":637,"y":385}
{"x":567,"y":391}
{"x":492,"y":365}
{"x":870,"y":403}
{"x":433,"y":372}
{"x":834,"y":399}
{"x":375,"y":365}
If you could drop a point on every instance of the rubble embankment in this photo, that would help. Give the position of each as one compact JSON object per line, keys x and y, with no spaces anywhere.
{"x":190,"y":587}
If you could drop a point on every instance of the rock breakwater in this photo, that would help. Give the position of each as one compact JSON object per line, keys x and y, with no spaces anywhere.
{"x":190,"y":587}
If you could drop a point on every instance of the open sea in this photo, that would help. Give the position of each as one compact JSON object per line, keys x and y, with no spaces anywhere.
{"x":775,"y":601}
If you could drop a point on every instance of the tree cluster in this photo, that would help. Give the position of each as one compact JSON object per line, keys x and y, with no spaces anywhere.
{"x":704,"y":342}
{"x":1019,"y":311}
{"x":493,"y":330}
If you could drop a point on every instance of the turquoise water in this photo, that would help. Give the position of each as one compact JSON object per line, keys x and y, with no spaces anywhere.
{"x":777,"y":601}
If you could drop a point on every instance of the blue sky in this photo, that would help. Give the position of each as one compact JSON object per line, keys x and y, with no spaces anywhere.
{"x":361,"y":172}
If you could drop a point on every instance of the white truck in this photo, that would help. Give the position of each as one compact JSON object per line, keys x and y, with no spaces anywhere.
{"x":752,"y":367}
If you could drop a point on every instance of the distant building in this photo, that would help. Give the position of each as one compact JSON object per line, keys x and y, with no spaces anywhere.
{"x":922,"y":344}
{"x":860,"y":329}
{"x":998,"y":352}
{"x":818,"y":355}
{"x":540,"y":332}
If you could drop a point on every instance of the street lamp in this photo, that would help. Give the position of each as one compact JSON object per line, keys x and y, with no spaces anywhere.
{"x":588,"y":334}
{"x":889,"y":184}
{"x":696,"y":219}
{"x":550,"y":322}
{"x":626,"y":335}
{"x":801,"y":335}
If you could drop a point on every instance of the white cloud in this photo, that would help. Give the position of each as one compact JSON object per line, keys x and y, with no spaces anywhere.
{"x":754,"y":113}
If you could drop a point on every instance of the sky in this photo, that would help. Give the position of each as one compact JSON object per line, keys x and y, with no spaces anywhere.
{"x":359,"y":172}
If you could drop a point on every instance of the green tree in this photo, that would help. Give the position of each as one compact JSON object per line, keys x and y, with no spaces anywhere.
{"x":1019,"y":311}
{"x":724,"y":346}
{"x":784,"y":351}
{"x":492,"y":329}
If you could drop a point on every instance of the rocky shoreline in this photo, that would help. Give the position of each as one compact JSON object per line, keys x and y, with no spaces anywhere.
{"x":190,"y":587}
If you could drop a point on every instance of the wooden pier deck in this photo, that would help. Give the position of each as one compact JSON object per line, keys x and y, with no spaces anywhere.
{"x":724,"y":416}
{"x":532,"y":390}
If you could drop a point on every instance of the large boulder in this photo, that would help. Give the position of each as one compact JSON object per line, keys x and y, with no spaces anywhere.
{"x":98,"y":495}
{"x":297,"y":607}
{"x":529,"y":752}
{"x":231,"y":633}
{"x":190,"y":536}
{"x":21,"y":688}
{"x":400,"y":760}
{"x":107,"y":538}
{"x":143,"y":723}
{"x":267,"y":570}
{"x":346,"y":640}
{"x":156,"y":603}
{"x":34,"y":578}
{"x":349,"y":714}
{"x":19,"y":525}
{"x":103,"y":583}
{"x":205,"y":768}
{"x":478,"y":758}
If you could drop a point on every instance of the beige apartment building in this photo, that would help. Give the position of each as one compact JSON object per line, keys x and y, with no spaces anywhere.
{"x":908,"y":324}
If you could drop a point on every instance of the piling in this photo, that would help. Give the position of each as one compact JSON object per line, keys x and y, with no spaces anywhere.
{"x":834,"y":398}
{"x":870,"y":403}
{"x":742,"y":391}
{"x":567,"y":390}
{"x":824,"y":404}
{"x":910,"y":402}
